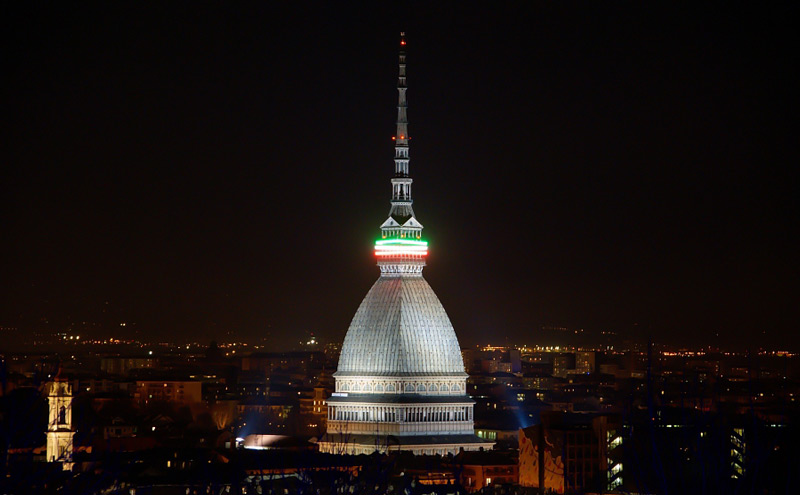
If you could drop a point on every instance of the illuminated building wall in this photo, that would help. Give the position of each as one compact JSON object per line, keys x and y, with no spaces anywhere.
{"x":178,"y":392}
{"x":570,"y":453}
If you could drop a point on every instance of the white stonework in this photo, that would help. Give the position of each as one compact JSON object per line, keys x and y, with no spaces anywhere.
{"x":401,"y":328}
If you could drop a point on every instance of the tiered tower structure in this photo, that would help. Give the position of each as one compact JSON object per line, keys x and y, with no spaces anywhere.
{"x":59,"y":427}
{"x":400,"y":383}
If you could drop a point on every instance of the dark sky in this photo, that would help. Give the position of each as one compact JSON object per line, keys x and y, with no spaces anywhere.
{"x":198,"y":169}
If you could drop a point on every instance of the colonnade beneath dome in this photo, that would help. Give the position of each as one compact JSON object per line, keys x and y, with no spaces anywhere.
{"x":399,"y":414}
{"x":352,"y":448}
{"x":400,"y":419}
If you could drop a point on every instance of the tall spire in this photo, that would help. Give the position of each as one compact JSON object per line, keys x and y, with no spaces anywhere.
{"x":401,"y":182}
{"x":401,"y":248}
{"x":401,"y":139}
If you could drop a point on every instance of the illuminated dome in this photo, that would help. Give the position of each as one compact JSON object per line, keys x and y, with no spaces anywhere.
{"x":400,"y":329}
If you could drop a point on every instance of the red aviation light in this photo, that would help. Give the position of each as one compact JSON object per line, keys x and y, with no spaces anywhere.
{"x":403,"y":42}
{"x":419,"y":254}
{"x":393,"y":138}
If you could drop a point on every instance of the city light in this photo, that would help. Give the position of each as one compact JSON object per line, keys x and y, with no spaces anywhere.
{"x":620,"y":323}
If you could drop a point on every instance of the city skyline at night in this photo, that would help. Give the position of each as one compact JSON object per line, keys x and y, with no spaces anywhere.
{"x":196,"y":196}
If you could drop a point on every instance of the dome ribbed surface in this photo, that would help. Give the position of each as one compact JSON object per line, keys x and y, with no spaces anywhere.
{"x":400,"y":329}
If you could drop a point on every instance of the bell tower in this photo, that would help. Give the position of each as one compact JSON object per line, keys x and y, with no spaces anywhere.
{"x":59,"y":426}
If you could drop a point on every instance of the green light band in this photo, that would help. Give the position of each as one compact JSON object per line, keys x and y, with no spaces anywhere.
{"x":408,"y":242}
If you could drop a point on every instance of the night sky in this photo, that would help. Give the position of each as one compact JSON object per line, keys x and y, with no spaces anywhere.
{"x":213,"y":171}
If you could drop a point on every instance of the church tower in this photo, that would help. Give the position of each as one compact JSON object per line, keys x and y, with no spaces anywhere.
{"x":59,"y":427}
{"x":400,"y":383}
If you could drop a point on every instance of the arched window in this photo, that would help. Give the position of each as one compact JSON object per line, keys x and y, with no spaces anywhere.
{"x":62,"y":416}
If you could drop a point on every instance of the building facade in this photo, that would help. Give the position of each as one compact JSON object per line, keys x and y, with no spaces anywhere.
{"x":178,"y":392}
{"x":400,"y":383}
{"x":571,"y":453}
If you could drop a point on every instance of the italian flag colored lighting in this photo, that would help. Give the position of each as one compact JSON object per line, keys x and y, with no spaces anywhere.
{"x":394,"y":247}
